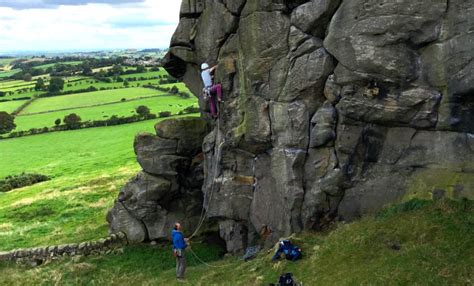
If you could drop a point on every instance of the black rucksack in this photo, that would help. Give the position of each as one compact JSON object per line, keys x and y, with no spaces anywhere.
{"x":286,"y":280}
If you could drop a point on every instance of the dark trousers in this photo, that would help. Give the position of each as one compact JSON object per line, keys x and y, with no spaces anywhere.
{"x":215,"y":91}
{"x":180,"y":266}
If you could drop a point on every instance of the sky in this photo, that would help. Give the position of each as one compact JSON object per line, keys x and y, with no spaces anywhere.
{"x":60,"y":25}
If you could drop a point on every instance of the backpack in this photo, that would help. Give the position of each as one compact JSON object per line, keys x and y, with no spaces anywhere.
{"x":286,"y":280}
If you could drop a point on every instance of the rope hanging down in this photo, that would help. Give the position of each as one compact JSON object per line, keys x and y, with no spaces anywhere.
{"x":204,"y":211}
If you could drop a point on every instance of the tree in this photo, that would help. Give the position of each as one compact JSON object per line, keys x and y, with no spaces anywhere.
{"x":87,"y":71}
{"x":141,"y":69}
{"x":174,"y":90}
{"x":143,"y":111}
{"x":40,"y":85}
{"x":27,"y":77}
{"x":57,"y":122}
{"x":72,"y":121}
{"x":164,"y":114}
{"x":2,"y":93}
{"x":117,"y":70}
{"x":56,"y":84}
{"x":7,"y":122}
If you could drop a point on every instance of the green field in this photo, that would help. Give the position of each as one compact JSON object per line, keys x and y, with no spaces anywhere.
{"x":83,"y":84}
{"x":19,"y":86}
{"x":9,"y":73}
{"x":28,"y":94}
{"x":10,"y":106}
{"x":87,"y":99}
{"x":156,"y":104}
{"x":73,"y":152}
{"x":13,"y":83}
{"x":72,"y":63}
{"x":149,"y":74}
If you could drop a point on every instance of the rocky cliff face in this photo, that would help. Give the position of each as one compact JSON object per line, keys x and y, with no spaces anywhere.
{"x":169,"y":187}
{"x":332,"y":108}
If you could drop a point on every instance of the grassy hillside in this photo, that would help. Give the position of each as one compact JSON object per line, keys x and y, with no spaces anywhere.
{"x":415,"y":243}
{"x":73,"y":152}
{"x":88,"y":167}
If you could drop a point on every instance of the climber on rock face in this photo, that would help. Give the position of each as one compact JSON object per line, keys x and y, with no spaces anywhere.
{"x":211,"y":90}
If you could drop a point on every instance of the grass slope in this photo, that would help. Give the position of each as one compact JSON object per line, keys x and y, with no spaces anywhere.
{"x":73,"y":152}
{"x":436,"y":239}
{"x":64,"y":210}
{"x":87,"y":167}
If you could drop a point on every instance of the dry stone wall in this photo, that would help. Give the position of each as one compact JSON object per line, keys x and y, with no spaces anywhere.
{"x":35,"y":256}
{"x":333,"y":108}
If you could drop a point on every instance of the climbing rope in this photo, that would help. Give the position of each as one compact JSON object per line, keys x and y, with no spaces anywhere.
{"x":204,"y":262}
{"x":204,"y":210}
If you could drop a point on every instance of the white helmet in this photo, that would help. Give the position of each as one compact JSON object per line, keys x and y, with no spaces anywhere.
{"x":204,"y":66}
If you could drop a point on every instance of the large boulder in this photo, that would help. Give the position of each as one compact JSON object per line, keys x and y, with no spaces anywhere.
{"x":168,"y":188}
{"x":189,"y":133}
{"x":333,"y":109}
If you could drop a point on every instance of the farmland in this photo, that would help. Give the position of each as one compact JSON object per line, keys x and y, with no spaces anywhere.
{"x":87,"y":166}
{"x":87,"y":99}
{"x":157,"y":104}
{"x":10,"y":106}
{"x":71,"y":63}
{"x":99,"y":96}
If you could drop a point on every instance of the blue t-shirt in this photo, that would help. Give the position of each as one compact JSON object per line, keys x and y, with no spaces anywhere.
{"x":178,"y":240}
{"x":206,"y":78}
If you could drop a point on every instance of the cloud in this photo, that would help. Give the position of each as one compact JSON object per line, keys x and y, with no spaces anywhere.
{"x":49,"y":4}
{"x":146,"y":24}
{"x":137,"y":21}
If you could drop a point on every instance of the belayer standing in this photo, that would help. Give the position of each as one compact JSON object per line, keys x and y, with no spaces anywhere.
{"x":211,"y":91}
{"x":179,"y":246}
